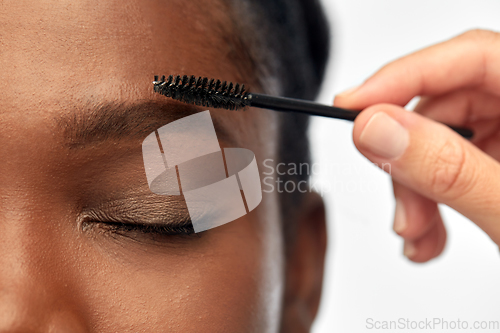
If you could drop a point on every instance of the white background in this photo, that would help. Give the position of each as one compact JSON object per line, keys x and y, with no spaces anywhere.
{"x":367,"y":276}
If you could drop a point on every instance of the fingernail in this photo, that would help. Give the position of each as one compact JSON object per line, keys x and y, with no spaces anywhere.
{"x":409,"y":249}
{"x":348,"y":91}
{"x":399,"y":217}
{"x":384,"y":136}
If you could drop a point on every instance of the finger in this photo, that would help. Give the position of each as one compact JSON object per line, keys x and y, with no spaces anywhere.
{"x":414,"y":213}
{"x":460,"y":107}
{"x":430,"y":245}
{"x":432,"y":160}
{"x":469,"y":60}
{"x":477,"y":110}
{"x":424,"y":240}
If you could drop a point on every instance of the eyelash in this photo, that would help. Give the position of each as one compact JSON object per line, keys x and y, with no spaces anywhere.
{"x":165,"y":230}
{"x":136,"y":231}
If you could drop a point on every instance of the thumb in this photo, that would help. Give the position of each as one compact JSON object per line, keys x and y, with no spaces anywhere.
{"x":431,"y":159}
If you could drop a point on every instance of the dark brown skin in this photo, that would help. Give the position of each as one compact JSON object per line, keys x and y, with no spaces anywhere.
{"x":61,"y":272}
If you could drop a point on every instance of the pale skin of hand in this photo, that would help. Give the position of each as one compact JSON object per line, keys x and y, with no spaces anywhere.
{"x":459,"y":82}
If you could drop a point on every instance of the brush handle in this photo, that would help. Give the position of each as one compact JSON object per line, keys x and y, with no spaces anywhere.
{"x":298,"y":105}
{"x":302,"y":106}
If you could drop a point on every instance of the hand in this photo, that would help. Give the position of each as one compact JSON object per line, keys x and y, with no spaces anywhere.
{"x":459,"y":82}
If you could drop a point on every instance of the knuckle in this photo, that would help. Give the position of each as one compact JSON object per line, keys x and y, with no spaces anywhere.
{"x":448,"y":178}
{"x":479,"y":35}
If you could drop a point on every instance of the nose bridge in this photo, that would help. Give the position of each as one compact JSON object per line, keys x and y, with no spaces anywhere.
{"x":35,"y":274}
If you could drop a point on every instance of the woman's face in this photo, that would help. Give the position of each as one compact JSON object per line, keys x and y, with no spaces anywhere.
{"x":76,"y":102}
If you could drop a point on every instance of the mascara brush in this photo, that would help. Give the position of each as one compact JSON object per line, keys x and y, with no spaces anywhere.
{"x":223,"y":95}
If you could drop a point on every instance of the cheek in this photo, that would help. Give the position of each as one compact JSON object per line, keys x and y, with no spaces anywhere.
{"x":228,"y":280}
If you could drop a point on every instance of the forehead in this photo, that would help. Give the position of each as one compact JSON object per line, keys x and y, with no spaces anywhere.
{"x":61,"y":56}
{"x":60,"y":53}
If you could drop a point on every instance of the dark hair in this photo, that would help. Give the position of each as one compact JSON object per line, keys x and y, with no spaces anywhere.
{"x":289,"y":47}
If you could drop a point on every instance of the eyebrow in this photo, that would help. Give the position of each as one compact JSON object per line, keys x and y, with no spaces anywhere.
{"x":98,"y":122}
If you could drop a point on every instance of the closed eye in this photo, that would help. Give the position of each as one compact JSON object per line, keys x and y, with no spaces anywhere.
{"x":139,"y":218}
{"x":165,"y":229}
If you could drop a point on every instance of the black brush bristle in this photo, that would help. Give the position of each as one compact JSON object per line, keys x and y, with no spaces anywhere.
{"x":202,"y":91}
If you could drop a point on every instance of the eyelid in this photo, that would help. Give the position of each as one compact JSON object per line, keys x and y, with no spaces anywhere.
{"x":138,"y":218}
